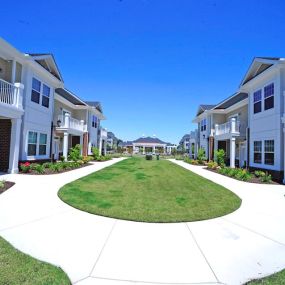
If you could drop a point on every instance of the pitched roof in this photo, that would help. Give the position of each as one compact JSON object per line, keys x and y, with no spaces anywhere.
{"x":71,"y":97}
{"x":149,"y":140}
{"x":95,"y":104}
{"x":47,"y":61}
{"x":231,"y":100}
{"x":202,"y":108}
{"x":127,"y":143}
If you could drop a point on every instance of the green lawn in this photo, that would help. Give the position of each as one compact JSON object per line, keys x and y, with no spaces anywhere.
{"x":149,"y":191}
{"x":18,"y":268}
{"x":275,"y":279}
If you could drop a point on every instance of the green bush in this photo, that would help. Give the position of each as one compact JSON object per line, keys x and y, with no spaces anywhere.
{"x":194,"y":162}
{"x":2,"y":184}
{"x":47,"y":164}
{"x":201,"y":157}
{"x":237,"y":173}
{"x":25,"y":167}
{"x":39,"y":168}
{"x":75,"y":153}
{"x":95,"y":152}
{"x":267,"y":178}
{"x":188,"y":160}
{"x":56,"y":167}
{"x":212,"y":165}
{"x":259,"y":173}
{"x":148,"y":157}
{"x":220,"y":157}
{"x":62,"y":158}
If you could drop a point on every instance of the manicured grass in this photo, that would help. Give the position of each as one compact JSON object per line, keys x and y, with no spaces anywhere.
{"x":149,"y":191}
{"x":18,"y":268}
{"x":275,"y":279}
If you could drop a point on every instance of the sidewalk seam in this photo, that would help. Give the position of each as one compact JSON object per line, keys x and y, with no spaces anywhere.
{"x":200,"y":249}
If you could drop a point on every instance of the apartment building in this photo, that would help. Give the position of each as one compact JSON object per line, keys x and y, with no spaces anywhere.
{"x":249,"y":125}
{"x":39,"y":118}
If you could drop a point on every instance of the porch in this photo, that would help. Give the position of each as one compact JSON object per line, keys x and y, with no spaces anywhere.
{"x":235,"y":151}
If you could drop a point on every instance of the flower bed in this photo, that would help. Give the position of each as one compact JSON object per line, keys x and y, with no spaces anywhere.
{"x":5,"y":185}
{"x":51,"y":167}
{"x":241,"y":174}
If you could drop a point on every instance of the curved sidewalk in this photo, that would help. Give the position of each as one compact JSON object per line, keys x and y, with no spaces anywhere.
{"x":246,"y":244}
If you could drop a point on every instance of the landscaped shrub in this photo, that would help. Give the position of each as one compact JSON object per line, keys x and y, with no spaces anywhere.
{"x":62,"y":158}
{"x":75,"y":153}
{"x":95,"y":152}
{"x":47,"y":164}
{"x":259,"y":173}
{"x":238,"y":173}
{"x":2,"y":184}
{"x":87,"y":159}
{"x":194,"y":162}
{"x":212,"y":165}
{"x":39,"y":168}
{"x":267,"y":178}
{"x":148,"y":157}
{"x":25,"y":167}
{"x":56,"y":167}
{"x":188,"y":160}
{"x":201,"y":156}
{"x":220,"y":157}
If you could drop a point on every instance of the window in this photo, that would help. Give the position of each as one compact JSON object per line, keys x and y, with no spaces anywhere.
{"x":45,"y":98}
{"x":257,"y":101}
{"x":36,"y":91}
{"x":203,"y":125}
{"x":94,"y":121}
{"x":269,"y":96}
{"x":32,"y":143}
{"x":43,"y":144}
{"x":257,"y":149}
{"x":269,"y":152}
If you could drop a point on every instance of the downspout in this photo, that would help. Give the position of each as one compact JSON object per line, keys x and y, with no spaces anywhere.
{"x":51,"y":140}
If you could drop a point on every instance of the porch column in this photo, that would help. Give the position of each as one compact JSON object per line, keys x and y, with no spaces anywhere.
{"x":13,"y":71}
{"x":66,"y":120}
{"x":65,"y":145}
{"x":15,"y":145}
{"x":100,"y":146}
{"x":105,"y":147}
{"x":18,"y":94}
{"x":283,"y":121}
{"x":215,"y":148}
{"x":143,"y":149}
{"x":232,"y":152}
{"x":81,"y":144}
{"x":153,"y":149}
{"x":134,"y":148}
{"x":233,"y":125}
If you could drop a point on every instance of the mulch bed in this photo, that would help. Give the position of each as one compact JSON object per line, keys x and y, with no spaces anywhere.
{"x":252,"y":180}
{"x":49,"y":171}
{"x":7,"y":185}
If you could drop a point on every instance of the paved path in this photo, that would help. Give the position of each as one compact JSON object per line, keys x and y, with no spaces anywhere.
{"x":248,"y":243}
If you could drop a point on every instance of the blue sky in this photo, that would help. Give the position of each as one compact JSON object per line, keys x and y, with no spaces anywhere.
{"x":150,"y":62}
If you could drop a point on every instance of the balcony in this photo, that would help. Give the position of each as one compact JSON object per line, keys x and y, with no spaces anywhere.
{"x":71,"y":125}
{"x":11,"y":96}
{"x":103,"y":133}
{"x":230,"y":128}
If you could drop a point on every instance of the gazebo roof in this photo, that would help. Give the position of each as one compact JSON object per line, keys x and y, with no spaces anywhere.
{"x":149,"y":140}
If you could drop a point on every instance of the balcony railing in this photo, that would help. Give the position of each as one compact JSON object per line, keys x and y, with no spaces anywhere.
{"x":231,"y":127}
{"x":67,"y":122}
{"x":11,"y":94}
{"x":103,"y":133}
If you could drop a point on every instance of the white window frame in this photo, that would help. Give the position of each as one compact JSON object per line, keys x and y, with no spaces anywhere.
{"x":272,"y":95}
{"x":37,"y":155}
{"x":261,"y":100}
{"x":269,"y":152}
{"x":41,"y":92}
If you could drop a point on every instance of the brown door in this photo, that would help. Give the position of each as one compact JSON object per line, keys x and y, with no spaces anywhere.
{"x":222,"y":145}
{"x":5,"y":137}
{"x":75,"y":140}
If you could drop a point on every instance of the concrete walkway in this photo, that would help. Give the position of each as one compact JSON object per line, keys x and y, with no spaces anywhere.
{"x":246,"y":244}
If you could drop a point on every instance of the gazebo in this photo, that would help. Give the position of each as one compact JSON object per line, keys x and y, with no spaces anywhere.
{"x":149,"y":145}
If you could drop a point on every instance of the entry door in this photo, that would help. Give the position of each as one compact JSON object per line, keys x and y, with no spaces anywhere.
{"x":5,"y":137}
{"x":222,"y":145}
{"x":242,"y":154}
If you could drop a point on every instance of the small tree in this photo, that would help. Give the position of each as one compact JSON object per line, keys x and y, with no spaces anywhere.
{"x":75,"y":153}
{"x":201,"y":156}
{"x":95,"y":152}
{"x":220,"y":157}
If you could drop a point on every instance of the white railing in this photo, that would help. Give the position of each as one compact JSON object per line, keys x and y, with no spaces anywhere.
{"x":231,"y":127}
{"x":11,"y":94}
{"x":103,"y":133}
{"x":67,"y":122}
